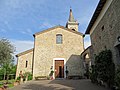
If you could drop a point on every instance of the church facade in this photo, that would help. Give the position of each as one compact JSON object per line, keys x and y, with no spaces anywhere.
{"x":56,"y":49}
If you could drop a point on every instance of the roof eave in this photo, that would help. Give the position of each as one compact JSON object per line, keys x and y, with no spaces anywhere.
{"x":25,"y":52}
{"x":95,"y":15}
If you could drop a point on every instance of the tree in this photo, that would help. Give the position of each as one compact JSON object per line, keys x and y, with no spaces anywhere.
{"x":11,"y":70}
{"x":6,"y":58}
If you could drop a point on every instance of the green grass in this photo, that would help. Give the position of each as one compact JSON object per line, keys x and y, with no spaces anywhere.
{"x":0,"y":85}
{"x":13,"y":80}
{"x":10,"y":85}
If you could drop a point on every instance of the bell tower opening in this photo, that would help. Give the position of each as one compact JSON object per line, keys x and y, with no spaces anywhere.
{"x":73,"y":29}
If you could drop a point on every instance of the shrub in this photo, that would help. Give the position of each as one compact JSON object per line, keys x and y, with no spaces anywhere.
{"x":18,"y":78}
{"x":27,"y":75}
{"x":104,"y":68}
{"x":51,"y":73}
{"x":93,"y":75}
{"x":117,"y":77}
{"x":30,"y":77}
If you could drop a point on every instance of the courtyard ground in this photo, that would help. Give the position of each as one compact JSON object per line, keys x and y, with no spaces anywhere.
{"x":58,"y":85}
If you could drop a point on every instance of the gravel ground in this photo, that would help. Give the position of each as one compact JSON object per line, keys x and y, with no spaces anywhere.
{"x":58,"y":85}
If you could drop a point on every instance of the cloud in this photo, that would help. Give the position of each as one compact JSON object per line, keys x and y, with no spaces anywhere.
{"x":27,"y":32}
{"x":45,"y":25}
{"x":3,"y":30}
{"x":22,"y":45}
{"x":7,"y":25}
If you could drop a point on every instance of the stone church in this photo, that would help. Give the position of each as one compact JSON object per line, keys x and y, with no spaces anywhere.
{"x":57,"y":48}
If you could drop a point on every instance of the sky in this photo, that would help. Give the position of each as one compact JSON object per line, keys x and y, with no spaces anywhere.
{"x":20,"y":19}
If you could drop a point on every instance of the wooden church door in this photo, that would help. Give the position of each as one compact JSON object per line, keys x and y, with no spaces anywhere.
{"x":59,"y":68}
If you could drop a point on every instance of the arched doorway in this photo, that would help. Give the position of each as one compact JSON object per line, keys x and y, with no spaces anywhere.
{"x":87,"y":65}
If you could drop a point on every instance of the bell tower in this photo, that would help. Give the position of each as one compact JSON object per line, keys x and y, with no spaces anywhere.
{"x":72,"y":24}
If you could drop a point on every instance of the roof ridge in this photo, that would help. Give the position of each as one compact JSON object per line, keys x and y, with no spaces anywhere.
{"x":57,"y":27}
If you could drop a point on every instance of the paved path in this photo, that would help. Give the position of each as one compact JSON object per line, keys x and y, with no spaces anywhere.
{"x":59,"y":85}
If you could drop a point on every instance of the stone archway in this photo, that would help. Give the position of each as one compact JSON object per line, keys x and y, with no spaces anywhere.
{"x":87,"y":59}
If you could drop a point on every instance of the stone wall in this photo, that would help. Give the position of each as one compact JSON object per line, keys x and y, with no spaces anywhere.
{"x":46,"y":50}
{"x":106,"y":33}
{"x":21,"y":62}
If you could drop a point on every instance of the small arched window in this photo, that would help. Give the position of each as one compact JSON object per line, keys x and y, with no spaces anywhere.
{"x":59,"y":39}
{"x":26,"y":64}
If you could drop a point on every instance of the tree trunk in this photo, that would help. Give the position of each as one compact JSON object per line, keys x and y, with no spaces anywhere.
{"x":4,"y":73}
{"x":7,"y":77}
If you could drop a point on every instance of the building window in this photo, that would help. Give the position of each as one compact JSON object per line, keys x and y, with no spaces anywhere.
{"x":102,"y":27}
{"x":100,"y":37}
{"x":59,"y":39}
{"x":26,"y":64}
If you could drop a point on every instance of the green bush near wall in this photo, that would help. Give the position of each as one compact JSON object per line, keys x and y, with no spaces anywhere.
{"x":30,"y":77}
{"x":117,"y":77}
{"x":104,"y":68}
{"x":18,"y":78}
{"x":27,"y":75}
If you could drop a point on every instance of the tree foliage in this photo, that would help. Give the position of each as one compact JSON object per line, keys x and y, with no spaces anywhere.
{"x":6,"y":57}
{"x":104,"y":68}
{"x":6,"y":51}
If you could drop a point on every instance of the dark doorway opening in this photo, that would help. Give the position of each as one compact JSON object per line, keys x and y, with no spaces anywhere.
{"x":60,"y":71}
